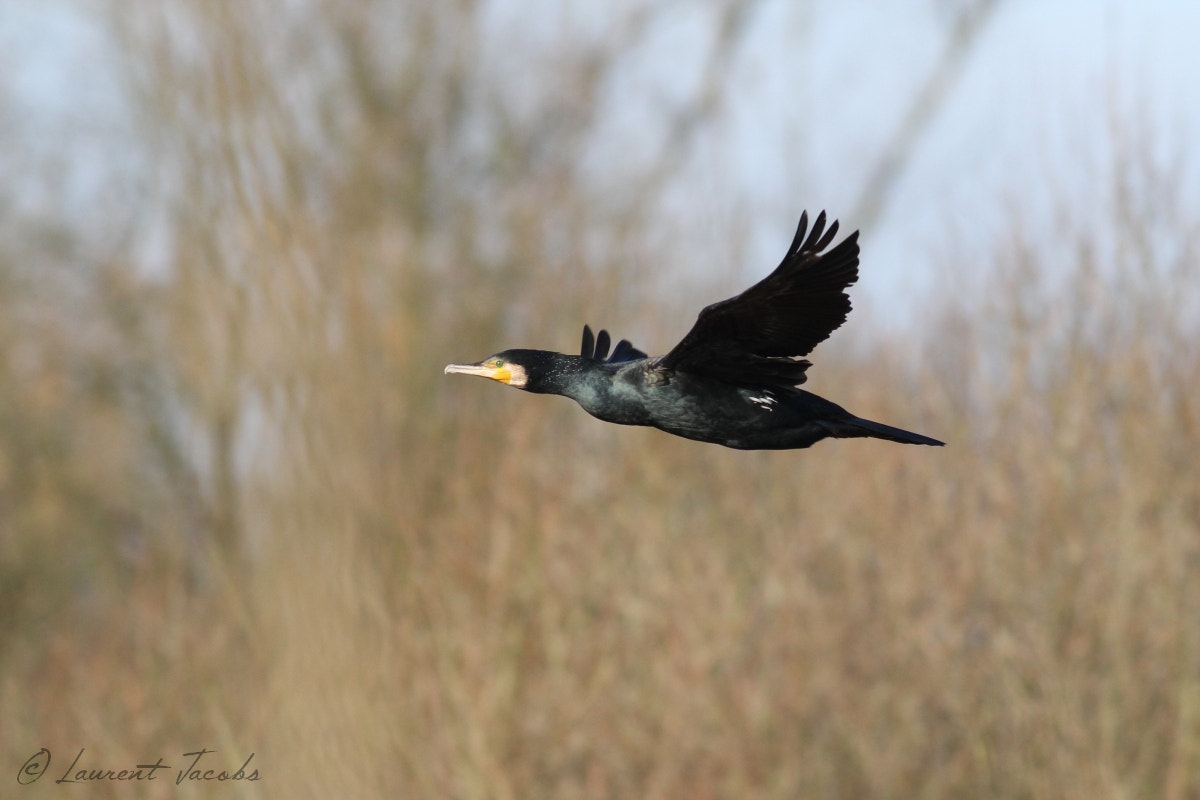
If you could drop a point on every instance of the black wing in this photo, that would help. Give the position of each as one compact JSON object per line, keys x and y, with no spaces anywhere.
{"x":758,"y":337}
{"x":596,"y":348}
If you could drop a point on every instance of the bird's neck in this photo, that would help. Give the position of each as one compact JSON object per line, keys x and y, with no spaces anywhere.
{"x":595,"y":387}
{"x":565,"y":374}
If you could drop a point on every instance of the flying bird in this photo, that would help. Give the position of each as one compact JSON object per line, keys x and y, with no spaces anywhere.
{"x":734,"y":378}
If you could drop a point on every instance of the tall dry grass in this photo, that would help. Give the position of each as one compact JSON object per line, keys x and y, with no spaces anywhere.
{"x":244,"y":511}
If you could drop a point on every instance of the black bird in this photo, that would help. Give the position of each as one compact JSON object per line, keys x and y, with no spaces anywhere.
{"x":733,"y":379}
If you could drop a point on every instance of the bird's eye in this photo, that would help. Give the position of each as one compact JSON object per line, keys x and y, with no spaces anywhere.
{"x":499,"y":362}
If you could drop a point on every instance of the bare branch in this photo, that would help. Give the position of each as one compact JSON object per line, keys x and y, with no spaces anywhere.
{"x":877,"y":190}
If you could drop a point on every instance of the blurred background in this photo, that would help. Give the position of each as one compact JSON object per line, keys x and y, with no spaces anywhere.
{"x":241,"y":508}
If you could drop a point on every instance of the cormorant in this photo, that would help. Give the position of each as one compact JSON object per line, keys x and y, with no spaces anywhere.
{"x":733,"y":379}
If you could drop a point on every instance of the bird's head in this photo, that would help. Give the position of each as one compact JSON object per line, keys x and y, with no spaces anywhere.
{"x":538,"y":371}
{"x":512,"y":367}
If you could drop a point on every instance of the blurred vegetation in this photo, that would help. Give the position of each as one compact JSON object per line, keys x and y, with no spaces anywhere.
{"x":242,"y":509}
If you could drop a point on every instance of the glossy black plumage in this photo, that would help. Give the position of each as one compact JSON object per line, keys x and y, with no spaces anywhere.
{"x":733,"y":379}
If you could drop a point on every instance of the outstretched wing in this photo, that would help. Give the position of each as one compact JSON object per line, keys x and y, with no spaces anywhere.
{"x":759,"y":337}
{"x":596,"y":348}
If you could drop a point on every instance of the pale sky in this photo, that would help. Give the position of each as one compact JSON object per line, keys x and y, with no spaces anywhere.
{"x":814,"y":92}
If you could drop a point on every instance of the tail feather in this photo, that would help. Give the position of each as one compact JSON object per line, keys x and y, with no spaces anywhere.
{"x":856,"y":427}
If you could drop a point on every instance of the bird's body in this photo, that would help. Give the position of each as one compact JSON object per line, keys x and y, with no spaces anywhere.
{"x":733,"y":380}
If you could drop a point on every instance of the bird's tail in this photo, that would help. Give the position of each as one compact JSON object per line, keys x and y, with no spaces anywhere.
{"x":856,"y":427}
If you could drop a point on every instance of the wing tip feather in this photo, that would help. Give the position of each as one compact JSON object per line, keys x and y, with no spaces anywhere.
{"x":588,"y":346}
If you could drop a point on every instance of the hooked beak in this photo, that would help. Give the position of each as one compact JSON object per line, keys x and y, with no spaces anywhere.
{"x":501,"y":374}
